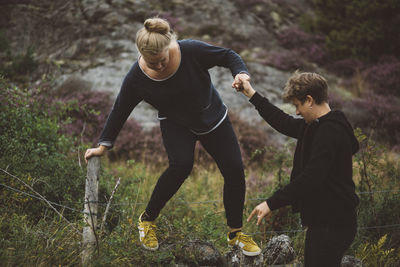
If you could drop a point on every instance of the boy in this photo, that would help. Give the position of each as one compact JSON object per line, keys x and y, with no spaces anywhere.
{"x":321,"y":186}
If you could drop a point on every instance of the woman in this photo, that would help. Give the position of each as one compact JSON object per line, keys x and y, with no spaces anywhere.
{"x":173,"y":77}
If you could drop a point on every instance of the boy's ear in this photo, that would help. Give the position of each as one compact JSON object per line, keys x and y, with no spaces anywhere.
{"x":310,"y":99}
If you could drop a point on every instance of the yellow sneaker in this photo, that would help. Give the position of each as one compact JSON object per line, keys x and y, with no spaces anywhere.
{"x":147,"y":234}
{"x":246,"y":244}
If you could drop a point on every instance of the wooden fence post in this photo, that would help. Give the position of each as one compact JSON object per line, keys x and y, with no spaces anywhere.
{"x":90,"y":209}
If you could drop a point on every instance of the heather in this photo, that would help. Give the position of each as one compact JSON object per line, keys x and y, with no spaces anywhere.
{"x":83,"y":112}
{"x":308,"y":45}
{"x":43,"y":151}
{"x":358,"y":54}
{"x":384,"y":76}
{"x":50,"y":114}
{"x":34,"y":150}
{"x":381,"y":117}
{"x":358,"y":29}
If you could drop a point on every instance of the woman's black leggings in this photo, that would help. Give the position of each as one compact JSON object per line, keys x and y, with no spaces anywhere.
{"x":222,"y":145}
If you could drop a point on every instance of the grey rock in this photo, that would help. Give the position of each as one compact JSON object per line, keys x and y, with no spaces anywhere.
{"x":194,"y":253}
{"x":94,"y":9}
{"x":204,"y":253}
{"x":279,"y":251}
{"x":350,"y":261}
{"x":235,"y":258}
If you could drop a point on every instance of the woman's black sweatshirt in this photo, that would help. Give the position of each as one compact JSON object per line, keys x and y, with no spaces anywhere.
{"x":187,"y":97}
{"x":321,"y":187}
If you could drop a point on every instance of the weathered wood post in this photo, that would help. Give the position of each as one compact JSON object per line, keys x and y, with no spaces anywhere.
{"x":90,"y":209}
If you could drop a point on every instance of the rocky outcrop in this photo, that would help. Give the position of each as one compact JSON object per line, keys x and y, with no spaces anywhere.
{"x":194,"y":253}
{"x":279,"y":250}
{"x":94,"y":40}
{"x":277,"y":253}
{"x":350,"y":261}
{"x":235,"y":258}
{"x":76,"y":30}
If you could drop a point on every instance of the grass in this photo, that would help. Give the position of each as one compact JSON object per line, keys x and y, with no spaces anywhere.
{"x":195,"y":212}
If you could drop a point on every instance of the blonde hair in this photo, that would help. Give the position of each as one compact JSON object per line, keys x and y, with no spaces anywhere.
{"x":154,"y":37}
{"x":301,"y":84}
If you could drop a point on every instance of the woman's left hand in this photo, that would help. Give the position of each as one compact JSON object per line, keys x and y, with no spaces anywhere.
{"x":237,"y":82}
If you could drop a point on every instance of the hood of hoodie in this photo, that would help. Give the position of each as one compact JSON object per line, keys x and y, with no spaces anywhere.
{"x":339,"y":117}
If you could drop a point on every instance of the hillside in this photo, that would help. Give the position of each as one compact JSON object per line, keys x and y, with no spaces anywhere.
{"x":94,"y":40}
{"x":61,"y":66}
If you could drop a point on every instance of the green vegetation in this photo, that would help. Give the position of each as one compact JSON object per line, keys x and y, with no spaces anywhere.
{"x":44,"y":133}
{"x":357,"y":29}
{"x":35,"y":151}
{"x":378,"y":171}
{"x":15,"y":66}
{"x":376,"y":255}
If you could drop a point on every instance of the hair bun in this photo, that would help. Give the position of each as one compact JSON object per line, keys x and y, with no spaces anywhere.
{"x":157,"y":25}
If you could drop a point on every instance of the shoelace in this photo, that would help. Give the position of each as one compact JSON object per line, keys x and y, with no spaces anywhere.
{"x":151,"y":233}
{"x":246,"y":238}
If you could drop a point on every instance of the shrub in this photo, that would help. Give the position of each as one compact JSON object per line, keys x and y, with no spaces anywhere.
{"x":336,"y":101}
{"x":85,"y":111}
{"x":246,"y":5}
{"x":384,"y":77}
{"x":33,"y":150}
{"x":19,"y":66}
{"x":382,"y":114}
{"x":134,"y":143}
{"x":4,"y":45}
{"x":377,"y":175}
{"x":15,"y":67}
{"x":358,"y":29}
{"x":252,"y":140}
{"x":289,"y":60}
{"x":23,"y":64}
{"x":84,"y":117}
{"x":308,"y":45}
{"x":300,"y":48}
{"x":346,"y":67}
{"x":376,"y":255}
{"x":275,"y":174}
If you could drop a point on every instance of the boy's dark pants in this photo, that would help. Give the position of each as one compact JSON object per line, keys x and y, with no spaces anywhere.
{"x":326,"y":245}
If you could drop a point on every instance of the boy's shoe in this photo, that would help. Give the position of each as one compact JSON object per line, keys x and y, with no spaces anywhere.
{"x":147,"y":234}
{"x":246,"y":244}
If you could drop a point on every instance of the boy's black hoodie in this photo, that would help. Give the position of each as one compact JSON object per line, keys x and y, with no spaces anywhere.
{"x":321,"y":187}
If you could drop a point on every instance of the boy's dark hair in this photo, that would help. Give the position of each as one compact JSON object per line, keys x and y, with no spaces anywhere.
{"x":301,"y":84}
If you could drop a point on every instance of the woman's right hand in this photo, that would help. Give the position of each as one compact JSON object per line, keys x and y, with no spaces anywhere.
{"x":91,"y":152}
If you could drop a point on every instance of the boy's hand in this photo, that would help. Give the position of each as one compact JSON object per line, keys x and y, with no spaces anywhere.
{"x":261,"y":210}
{"x":245,"y":87}
{"x":239,"y":78}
